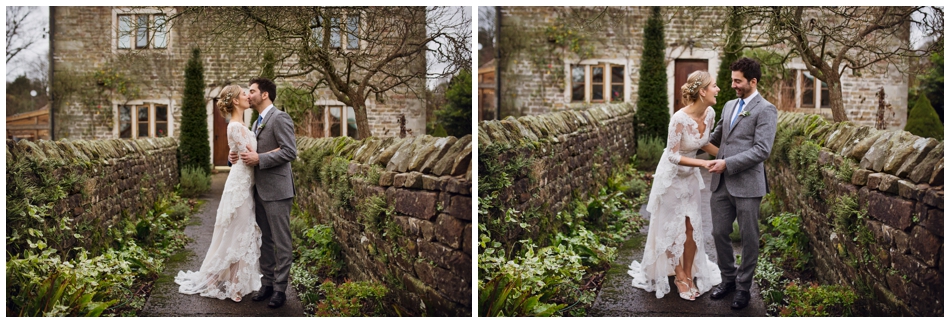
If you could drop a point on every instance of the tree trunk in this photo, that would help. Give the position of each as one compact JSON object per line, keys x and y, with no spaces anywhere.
{"x":362,"y":123}
{"x":837,"y":101}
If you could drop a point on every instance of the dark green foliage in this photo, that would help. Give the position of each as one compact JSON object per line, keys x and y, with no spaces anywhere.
{"x":730,"y":54}
{"x":499,"y":297}
{"x":652,"y":101}
{"x":194,"y":182}
{"x":924,"y":121}
{"x":194,"y":148}
{"x":815,"y":300}
{"x":267,"y":70}
{"x":456,"y":117}
{"x":19,"y":99}
{"x":931,"y":82}
{"x":649,"y":151}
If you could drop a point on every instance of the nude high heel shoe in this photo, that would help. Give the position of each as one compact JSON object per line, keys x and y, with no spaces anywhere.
{"x":688,"y":294}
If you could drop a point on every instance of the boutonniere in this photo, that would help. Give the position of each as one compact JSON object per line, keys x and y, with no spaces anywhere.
{"x":261,"y":127}
{"x":744,"y":114}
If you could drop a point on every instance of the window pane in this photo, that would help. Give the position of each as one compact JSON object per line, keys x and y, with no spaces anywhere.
{"x":351,"y":123}
{"x":141,"y":32}
{"x":808,"y":89}
{"x":161,"y":129}
{"x":597,"y":74}
{"x":335,"y":127}
{"x":125,"y":31}
{"x":616,"y":74}
{"x":317,"y":31}
{"x":125,"y":121}
{"x":352,"y":35}
{"x":597,"y":92}
{"x":335,"y":32}
{"x":825,"y":96}
{"x":143,"y":121}
{"x":616,"y":93}
{"x":161,"y":113}
{"x":161,"y":32}
{"x":577,"y":83}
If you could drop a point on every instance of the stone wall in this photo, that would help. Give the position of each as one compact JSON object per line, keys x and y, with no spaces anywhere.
{"x":535,"y":73}
{"x":401,"y":208}
{"x":83,"y":42}
{"x":95,"y":183}
{"x":547,"y":160}
{"x":892,"y":252}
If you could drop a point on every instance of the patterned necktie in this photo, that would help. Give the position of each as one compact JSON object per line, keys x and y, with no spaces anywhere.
{"x":741,"y":103}
{"x":258,"y":127}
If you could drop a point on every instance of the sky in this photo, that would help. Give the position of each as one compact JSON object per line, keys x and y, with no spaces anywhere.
{"x":16,"y":66}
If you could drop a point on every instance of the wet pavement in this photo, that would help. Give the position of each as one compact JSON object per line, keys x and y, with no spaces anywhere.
{"x":619,"y":298}
{"x":165,"y":299}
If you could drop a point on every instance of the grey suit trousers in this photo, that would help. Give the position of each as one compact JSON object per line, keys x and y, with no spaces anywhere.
{"x":744,"y":210}
{"x":273,"y":217}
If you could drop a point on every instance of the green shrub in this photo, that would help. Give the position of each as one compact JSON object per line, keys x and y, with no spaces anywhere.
{"x":194,"y":181}
{"x":730,"y":54}
{"x":194,"y":149}
{"x":649,"y":151}
{"x":815,"y":300}
{"x":652,"y":102}
{"x":456,"y":116}
{"x":924,"y":121}
{"x":351,"y":299}
{"x":786,"y":240}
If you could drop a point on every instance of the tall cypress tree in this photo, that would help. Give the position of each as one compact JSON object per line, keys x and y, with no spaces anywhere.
{"x":267,"y":70}
{"x":652,"y":101}
{"x":923,"y":120}
{"x":194,"y":149}
{"x":730,"y":55}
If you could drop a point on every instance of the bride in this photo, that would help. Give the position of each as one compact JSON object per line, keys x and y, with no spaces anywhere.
{"x":230,"y":268}
{"x":674,"y":242}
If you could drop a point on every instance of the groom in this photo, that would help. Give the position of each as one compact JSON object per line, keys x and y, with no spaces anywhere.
{"x":744,"y":136}
{"x":274,"y":189}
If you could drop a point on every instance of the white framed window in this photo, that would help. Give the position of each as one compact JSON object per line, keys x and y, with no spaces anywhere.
{"x":598,"y":82}
{"x":142,"y":120}
{"x":811,"y":92}
{"x":136,"y":29}
{"x":329,"y":120}
{"x":342,"y":29}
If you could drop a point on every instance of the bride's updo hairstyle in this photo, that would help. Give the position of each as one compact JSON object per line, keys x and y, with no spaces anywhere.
{"x":226,"y":99}
{"x":696,"y":81}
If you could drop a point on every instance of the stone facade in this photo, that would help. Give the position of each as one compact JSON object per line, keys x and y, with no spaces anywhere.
{"x":566,"y":152}
{"x":898,"y":184}
{"x":83,"y":42}
{"x":536,"y":74}
{"x":115,"y":179}
{"x":427,"y":188}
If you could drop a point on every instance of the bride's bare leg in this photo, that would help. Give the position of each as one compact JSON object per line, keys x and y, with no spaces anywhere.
{"x":689,"y":252}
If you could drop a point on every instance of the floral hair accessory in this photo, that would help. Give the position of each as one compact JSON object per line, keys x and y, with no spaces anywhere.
{"x":692,"y":87}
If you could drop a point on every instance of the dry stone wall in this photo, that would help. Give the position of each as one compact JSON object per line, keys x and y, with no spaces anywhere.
{"x":546,"y":160}
{"x":894,"y":253}
{"x":91,"y":182}
{"x":420,"y":245}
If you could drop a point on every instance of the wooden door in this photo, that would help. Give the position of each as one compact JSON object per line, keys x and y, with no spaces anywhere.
{"x":220,"y":135}
{"x":682,"y":70}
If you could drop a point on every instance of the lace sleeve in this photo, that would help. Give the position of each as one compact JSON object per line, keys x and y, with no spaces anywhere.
{"x":673,"y":139}
{"x":237,"y":138}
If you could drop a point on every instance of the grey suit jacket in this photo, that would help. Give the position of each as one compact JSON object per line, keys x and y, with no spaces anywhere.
{"x":273,"y":178}
{"x":745,"y":147}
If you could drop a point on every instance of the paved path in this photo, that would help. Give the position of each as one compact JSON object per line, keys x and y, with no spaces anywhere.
{"x":619,"y":298}
{"x":165,"y":299}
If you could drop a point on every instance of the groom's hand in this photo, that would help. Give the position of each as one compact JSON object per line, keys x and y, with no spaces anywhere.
{"x":233,"y":157}
{"x":717,"y":166}
{"x":250,"y":158}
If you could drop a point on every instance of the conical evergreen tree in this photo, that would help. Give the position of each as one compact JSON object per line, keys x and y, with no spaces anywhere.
{"x":924,"y":121}
{"x":267,"y":70}
{"x":456,"y":116}
{"x":652,"y":101}
{"x":730,"y":55}
{"x":194,"y":149}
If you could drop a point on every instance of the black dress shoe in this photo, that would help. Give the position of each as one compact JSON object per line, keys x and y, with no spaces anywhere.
{"x":280,"y":297}
{"x":741,"y":300}
{"x":722,"y":290}
{"x":263,"y":294}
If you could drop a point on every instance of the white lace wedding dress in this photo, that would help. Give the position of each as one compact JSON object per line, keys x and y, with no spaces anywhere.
{"x":675,"y":196}
{"x":231,"y":267}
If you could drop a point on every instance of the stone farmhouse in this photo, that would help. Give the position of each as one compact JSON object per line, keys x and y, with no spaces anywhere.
{"x":118,"y":72}
{"x":536,"y":74}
